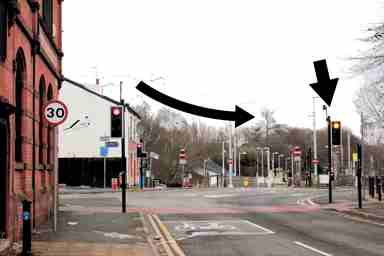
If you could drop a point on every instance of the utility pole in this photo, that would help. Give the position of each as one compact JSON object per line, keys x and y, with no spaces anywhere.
{"x":223,"y":171}
{"x":262,"y":163}
{"x":230,"y":157}
{"x":257,"y":164}
{"x":349,"y":150}
{"x":341,"y":151}
{"x":315,"y":141}
{"x":269,"y":166}
{"x":123,"y":157}
{"x":330,"y":158}
{"x":235,"y":153}
{"x":123,"y":161}
{"x":292,"y":165}
{"x":239,"y":164}
{"x":362,"y":131}
{"x":358,"y":173}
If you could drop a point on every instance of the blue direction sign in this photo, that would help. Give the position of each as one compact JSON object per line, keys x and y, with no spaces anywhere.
{"x":112,"y":144}
{"x":103,"y":151}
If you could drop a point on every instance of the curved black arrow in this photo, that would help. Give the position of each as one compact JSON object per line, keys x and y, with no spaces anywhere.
{"x":325,"y":87}
{"x":240,"y":116}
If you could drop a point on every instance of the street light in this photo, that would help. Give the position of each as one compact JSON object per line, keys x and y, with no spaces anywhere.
{"x":273,"y":162}
{"x":262,"y":160}
{"x":279,"y":166}
{"x":267,"y":149}
{"x":243,"y":153}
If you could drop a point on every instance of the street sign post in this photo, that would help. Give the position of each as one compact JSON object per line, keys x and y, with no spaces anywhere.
{"x":55,"y":112}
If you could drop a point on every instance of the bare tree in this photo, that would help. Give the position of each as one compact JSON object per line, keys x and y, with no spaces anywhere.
{"x":369,"y":65}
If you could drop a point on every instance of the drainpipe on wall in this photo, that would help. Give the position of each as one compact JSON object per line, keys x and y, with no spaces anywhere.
{"x":35,"y":49}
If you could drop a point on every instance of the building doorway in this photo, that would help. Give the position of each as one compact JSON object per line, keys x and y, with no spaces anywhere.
{"x":3,"y":175}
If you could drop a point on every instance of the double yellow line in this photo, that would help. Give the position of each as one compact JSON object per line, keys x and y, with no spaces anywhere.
{"x":170,"y":245}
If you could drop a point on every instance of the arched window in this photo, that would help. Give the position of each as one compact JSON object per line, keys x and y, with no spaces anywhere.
{"x":49,"y":133}
{"x":19,"y":84}
{"x":41,"y":121}
{"x":48,"y":14}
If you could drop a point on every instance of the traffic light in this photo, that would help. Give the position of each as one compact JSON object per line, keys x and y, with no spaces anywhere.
{"x":116,"y":122}
{"x":140,"y":152}
{"x":336,"y":132}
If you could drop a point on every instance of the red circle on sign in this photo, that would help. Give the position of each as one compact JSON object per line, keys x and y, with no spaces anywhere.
{"x":65,"y":110}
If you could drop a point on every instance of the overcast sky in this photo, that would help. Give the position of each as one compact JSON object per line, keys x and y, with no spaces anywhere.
{"x":219,"y":53}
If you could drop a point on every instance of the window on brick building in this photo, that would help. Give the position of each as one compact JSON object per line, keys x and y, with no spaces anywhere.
{"x":19,"y":84}
{"x":41,"y":122}
{"x":48,"y":14}
{"x":49,"y":133}
{"x":3,"y":30}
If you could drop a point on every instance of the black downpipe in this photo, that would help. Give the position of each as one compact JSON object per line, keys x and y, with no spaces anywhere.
{"x":35,"y":49}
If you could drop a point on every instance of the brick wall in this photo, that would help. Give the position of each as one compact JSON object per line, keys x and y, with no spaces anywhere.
{"x":19,"y":176}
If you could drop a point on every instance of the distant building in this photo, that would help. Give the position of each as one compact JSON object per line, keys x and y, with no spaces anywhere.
{"x":84,"y":133}
{"x":374,"y":133}
{"x":30,"y":75}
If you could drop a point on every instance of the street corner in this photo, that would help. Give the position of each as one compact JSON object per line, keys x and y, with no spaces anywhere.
{"x":371,"y":214}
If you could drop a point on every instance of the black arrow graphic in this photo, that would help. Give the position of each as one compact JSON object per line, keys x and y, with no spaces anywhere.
{"x":240,"y":116}
{"x":325,"y":86}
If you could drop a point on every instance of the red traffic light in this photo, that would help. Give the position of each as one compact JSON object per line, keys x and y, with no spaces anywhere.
{"x":116,"y":111}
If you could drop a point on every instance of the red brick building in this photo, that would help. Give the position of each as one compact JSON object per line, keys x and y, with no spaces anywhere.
{"x":30,"y":75}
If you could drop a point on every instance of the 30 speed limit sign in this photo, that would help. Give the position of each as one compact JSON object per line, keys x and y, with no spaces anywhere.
{"x":55,"y":112}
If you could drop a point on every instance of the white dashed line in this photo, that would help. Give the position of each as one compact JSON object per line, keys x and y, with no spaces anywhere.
{"x":219,"y":196}
{"x":312,"y":249}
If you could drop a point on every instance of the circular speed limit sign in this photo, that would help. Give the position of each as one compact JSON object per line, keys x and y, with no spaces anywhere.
{"x":55,"y":112}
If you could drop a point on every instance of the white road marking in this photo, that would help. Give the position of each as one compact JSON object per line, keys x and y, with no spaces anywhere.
{"x":219,"y":196}
{"x":116,"y":235}
{"x":312,"y":249}
{"x":258,"y":226}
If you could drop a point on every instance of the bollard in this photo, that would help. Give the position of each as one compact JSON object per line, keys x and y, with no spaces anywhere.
{"x":27,"y":231}
{"x":378,"y":187}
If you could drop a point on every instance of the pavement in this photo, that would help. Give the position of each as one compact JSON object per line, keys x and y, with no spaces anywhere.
{"x":372,"y":209}
{"x":92,"y":232}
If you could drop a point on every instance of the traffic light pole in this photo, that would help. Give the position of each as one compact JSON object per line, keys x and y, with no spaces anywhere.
{"x":123,"y":164}
{"x":329,"y":158}
{"x":358,"y":174}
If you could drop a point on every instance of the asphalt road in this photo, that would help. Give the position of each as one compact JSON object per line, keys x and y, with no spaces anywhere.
{"x":272,"y":222}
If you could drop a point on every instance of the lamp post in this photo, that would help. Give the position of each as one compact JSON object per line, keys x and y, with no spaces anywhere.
{"x":267,"y":149}
{"x":262,"y":160}
{"x":273,"y":162}
{"x":223,"y":171}
{"x":230,"y":157}
{"x":279,"y":162}
{"x":243,"y":153}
